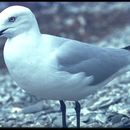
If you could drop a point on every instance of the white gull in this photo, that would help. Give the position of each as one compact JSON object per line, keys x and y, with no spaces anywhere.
{"x":52,"y":67}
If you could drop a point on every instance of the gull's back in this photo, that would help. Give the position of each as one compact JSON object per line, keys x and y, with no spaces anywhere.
{"x":74,"y":57}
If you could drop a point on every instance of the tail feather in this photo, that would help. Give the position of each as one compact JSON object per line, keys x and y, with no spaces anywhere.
{"x":126,"y":48}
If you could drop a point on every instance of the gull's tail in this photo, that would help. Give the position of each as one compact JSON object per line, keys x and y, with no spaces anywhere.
{"x":126,"y":48}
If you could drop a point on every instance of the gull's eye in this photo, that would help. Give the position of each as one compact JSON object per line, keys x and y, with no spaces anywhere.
{"x":12,"y":19}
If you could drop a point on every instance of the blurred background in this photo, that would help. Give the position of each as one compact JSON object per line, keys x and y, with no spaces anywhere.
{"x":102,"y":23}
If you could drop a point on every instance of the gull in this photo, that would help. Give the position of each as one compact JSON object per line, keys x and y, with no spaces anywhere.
{"x":56,"y":68}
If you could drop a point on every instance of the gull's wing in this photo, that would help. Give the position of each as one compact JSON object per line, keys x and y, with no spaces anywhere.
{"x":75,"y":57}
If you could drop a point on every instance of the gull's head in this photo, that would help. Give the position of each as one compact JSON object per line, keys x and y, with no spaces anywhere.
{"x":15,"y":20}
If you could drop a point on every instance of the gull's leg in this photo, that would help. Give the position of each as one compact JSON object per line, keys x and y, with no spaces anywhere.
{"x":77,"y":109}
{"x":63,"y":110}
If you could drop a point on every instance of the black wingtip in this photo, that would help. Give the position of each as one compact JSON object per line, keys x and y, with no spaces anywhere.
{"x":126,"y":48}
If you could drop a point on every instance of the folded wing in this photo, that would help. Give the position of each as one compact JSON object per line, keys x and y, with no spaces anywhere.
{"x":101,"y":63}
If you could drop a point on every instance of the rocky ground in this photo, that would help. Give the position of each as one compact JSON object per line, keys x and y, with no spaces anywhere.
{"x":101,"y":23}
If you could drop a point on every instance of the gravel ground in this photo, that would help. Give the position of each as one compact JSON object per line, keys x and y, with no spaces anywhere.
{"x":101,"y":23}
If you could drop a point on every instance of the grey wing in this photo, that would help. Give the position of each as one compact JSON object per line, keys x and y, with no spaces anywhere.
{"x":75,"y":57}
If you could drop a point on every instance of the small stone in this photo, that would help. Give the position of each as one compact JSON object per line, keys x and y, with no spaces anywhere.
{"x":69,"y":21}
{"x":82,"y":21}
{"x":58,"y":121}
{"x":85,"y":111}
{"x":10,"y":123}
{"x":101,"y":117}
